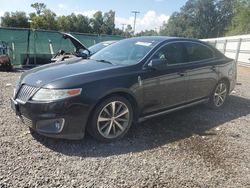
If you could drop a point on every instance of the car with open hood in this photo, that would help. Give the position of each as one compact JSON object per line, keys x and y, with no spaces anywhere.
{"x":130,"y":81}
{"x":81,"y":51}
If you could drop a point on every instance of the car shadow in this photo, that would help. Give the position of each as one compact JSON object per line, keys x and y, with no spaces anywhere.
{"x":155,"y":132}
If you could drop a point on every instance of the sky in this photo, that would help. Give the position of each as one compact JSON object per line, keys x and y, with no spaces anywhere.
{"x":152,"y":12}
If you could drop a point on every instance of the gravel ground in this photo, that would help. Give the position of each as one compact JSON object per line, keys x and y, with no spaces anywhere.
{"x":195,"y":147}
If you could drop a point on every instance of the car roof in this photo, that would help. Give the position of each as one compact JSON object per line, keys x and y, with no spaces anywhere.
{"x":167,"y":38}
{"x":162,"y":39}
{"x":158,"y":38}
{"x":109,"y":41}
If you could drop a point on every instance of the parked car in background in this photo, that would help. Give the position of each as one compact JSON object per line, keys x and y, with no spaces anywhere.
{"x":130,"y":81}
{"x":97,"y":47}
{"x":80,"y":49}
{"x":5,"y":63}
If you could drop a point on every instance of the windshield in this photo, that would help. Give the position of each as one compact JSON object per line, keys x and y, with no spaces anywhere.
{"x":126,"y":52}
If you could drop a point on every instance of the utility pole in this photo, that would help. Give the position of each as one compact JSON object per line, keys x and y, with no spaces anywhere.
{"x":123,"y":27}
{"x":135,"y":12}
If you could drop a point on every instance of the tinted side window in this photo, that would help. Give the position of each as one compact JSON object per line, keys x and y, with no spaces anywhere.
{"x":173,"y":53}
{"x":197,"y":52}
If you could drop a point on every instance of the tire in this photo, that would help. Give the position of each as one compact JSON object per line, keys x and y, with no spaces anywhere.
{"x":8,"y":67}
{"x":31,"y":131}
{"x":111,"y":119}
{"x":219,"y":95}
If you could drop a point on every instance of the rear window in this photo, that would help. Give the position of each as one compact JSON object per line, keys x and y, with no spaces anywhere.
{"x":198,"y":52}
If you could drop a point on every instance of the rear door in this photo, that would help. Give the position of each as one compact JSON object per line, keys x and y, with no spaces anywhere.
{"x":202,"y":70}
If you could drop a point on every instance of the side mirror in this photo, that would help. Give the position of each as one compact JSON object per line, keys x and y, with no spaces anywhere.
{"x":158,"y":64}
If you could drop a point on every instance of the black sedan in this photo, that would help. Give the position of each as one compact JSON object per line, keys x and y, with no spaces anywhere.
{"x":129,"y":81}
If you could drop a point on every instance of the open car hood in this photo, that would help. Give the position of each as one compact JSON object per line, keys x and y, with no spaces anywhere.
{"x":78,"y":45}
{"x":61,"y":55}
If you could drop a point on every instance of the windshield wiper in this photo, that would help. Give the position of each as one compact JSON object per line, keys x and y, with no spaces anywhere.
{"x":104,"y":61}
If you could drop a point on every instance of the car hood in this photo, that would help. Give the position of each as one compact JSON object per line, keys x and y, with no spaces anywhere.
{"x":77,"y":44}
{"x":70,"y":69}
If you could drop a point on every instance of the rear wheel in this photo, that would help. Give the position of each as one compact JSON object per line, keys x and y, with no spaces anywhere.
{"x":219,"y":95}
{"x":111,"y":119}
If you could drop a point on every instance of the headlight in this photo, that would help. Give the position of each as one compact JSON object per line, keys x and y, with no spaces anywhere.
{"x":55,"y":94}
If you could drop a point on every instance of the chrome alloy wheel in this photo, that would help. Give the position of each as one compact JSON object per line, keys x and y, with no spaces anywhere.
{"x":220,"y":94}
{"x":113,"y":119}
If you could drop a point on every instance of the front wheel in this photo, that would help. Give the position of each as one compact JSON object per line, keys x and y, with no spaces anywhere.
{"x":219,"y":95}
{"x":111,"y":119}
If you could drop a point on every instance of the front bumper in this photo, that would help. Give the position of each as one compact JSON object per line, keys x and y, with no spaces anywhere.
{"x":65,"y":119}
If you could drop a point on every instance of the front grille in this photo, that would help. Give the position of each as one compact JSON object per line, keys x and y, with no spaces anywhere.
{"x":25,"y":92}
{"x":27,"y":121}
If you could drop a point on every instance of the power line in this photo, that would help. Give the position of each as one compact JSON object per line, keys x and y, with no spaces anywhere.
{"x":135,"y":12}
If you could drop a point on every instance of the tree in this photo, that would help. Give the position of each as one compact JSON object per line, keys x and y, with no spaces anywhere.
{"x":226,"y":13}
{"x":40,"y":7}
{"x":147,"y":33}
{"x":47,"y":20}
{"x":74,"y":23}
{"x":128,"y":31}
{"x":44,"y":18}
{"x":108,"y":23}
{"x":97,"y":22}
{"x":15,"y":19}
{"x":82,"y":24}
{"x":118,"y":31}
{"x":240,"y":22}
{"x":200,"y":19}
{"x":64,"y":23}
{"x":179,"y":25}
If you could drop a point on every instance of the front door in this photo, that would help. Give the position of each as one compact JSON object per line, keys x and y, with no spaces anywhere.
{"x":166,"y":87}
